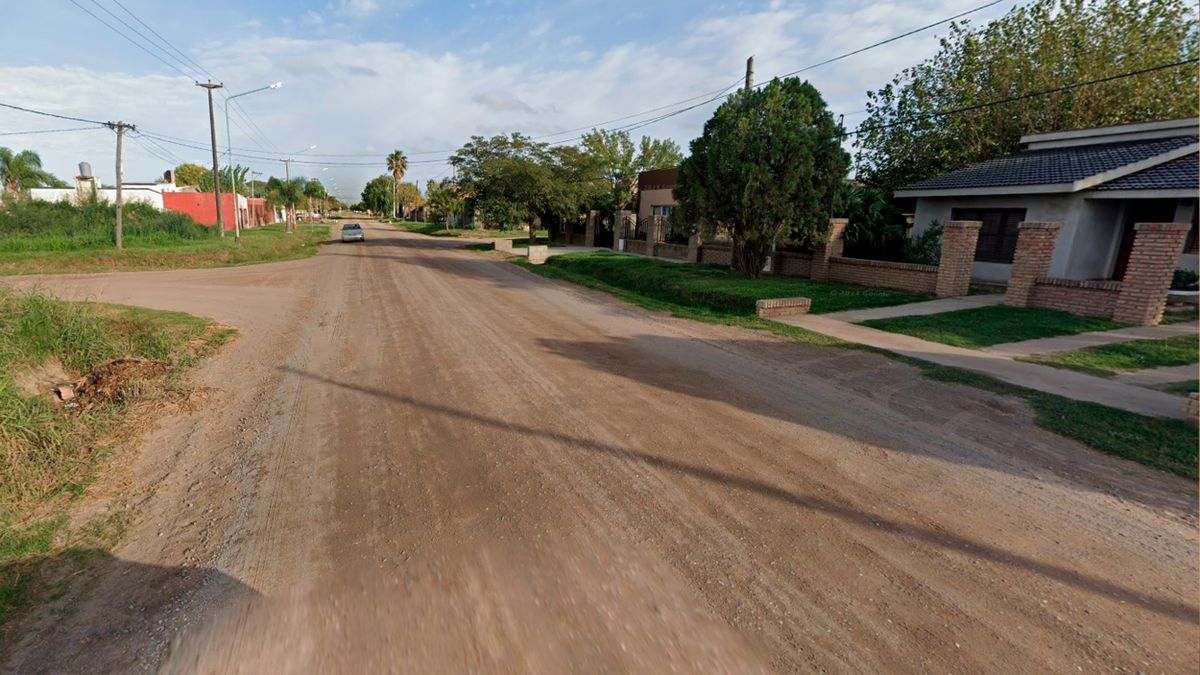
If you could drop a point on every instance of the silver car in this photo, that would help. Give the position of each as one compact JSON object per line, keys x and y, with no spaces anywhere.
{"x":352,"y":232}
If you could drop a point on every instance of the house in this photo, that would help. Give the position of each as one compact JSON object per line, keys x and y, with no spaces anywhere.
{"x":88,"y":186}
{"x":655,"y":193}
{"x":1097,"y":183}
{"x":202,"y":207}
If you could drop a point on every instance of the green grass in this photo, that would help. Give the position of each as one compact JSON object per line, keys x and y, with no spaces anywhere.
{"x":986,"y":326}
{"x":711,"y":288}
{"x":265,"y":244}
{"x":439,"y":230}
{"x":1108,"y":360}
{"x":1186,"y":387}
{"x":1165,"y":444}
{"x":48,"y":454}
{"x":1181,"y":317}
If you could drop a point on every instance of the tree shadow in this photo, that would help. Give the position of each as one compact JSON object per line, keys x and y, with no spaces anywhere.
{"x":847,"y":514}
{"x":85,"y":610}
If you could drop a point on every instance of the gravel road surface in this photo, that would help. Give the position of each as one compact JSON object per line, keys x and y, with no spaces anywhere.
{"x":421,"y":459}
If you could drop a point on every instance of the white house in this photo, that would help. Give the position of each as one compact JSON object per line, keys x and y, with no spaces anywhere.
{"x":1097,"y":182}
{"x":150,"y":193}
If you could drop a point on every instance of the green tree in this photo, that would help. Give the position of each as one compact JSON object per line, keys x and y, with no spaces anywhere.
{"x":233,"y":179}
{"x":768,"y":165}
{"x":409,"y":196}
{"x":1035,"y":47}
{"x":288,"y":194}
{"x":397,"y":163}
{"x":20,"y":171}
{"x":378,"y":194}
{"x":619,"y":161}
{"x":314,"y":191}
{"x":442,"y":199}
{"x":191,"y":174}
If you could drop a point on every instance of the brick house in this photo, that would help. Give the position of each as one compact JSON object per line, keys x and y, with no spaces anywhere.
{"x":1096,"y":183}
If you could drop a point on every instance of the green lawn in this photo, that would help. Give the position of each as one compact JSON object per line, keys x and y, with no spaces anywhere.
{"x":1181,"y":317}
{"x":50,"y":453}
{"x":439,"y":230}
{"x":986,"y":326}
{"x":1108,"y":360}
{"x":712,"y":288}
{"x":264,"y":244}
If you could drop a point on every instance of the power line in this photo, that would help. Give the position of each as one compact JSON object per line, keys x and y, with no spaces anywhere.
{"x":1021,"y":97}
{"x":164,"y":40}
{"x":57,"y":116}
{"x":135,"y":43}
{"x":47,"y":131}
{"x":125,"y":23}
{"x":887,"y":41}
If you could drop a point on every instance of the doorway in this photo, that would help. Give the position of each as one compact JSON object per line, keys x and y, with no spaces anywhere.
{"x":1139,"y":211}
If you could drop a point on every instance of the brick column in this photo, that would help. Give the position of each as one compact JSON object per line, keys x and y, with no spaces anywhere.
{"x":1156,"y":249}
{"x":958,"y":253}
{"x":1035,"y":248}
{"x":593,"y":222}
{"x":831,"y":247}
{"x":653,"y":227}
{"x":694,"y":244}
{"x":620,"y":228}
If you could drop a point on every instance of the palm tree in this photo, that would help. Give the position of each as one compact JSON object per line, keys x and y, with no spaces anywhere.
{"x":397,"y":163}
{"x":23,"y":170}
{"x":288,"y":194}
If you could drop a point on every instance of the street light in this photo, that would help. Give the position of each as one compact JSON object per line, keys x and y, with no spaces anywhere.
{"x":237,"y":227}
{"x":287,"y":172}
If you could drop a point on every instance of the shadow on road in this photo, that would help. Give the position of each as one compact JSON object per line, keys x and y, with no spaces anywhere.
{"x":843,"y":512}
{"x":96,"y":612}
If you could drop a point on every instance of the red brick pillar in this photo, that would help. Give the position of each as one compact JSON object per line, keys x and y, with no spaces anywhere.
{"x":830,"y":248}
{"x":1156,"y":249}
{"x":958,"y":254}
{"x":1035,"y":248}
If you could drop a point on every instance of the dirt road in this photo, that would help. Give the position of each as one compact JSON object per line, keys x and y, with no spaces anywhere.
{"x":421,"y":459}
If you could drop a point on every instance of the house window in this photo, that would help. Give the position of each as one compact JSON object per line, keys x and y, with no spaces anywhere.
{"x":664,"y":211}
{"x":998,"y":236}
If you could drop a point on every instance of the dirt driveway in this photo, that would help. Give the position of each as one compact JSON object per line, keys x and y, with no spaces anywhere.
{"x":422,"y":459}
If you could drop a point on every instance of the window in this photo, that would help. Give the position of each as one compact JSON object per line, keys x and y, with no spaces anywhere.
{"x":998,"y":236}
{"x":664,"y":211}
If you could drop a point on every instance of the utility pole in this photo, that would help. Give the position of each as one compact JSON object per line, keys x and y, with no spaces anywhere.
{"x":749,"y":73}
{"x":287,"y":177}
{"x":212,"y":127}
{"x":120,"y":128}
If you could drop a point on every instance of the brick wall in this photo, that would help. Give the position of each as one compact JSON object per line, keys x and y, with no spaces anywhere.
{"x":791,"y":264}
{"x":883,"y":274}
{"x":636,"y":247}
{"x":1031,"y":261}
{"x":672,"y":251}
{"x":716,"y":255}
{"x":1085,"y":298}
{"x":1156,"y":248}
{"x":830,"y":248}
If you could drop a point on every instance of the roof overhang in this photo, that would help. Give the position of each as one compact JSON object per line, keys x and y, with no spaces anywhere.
{"x":1174,"y":193}
{"x":1113,"y":134}
{"x":1058,"y":188}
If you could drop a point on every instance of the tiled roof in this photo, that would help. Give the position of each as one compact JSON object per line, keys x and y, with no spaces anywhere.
{"x":1054,"y":165}
{"x":1177,"y":174}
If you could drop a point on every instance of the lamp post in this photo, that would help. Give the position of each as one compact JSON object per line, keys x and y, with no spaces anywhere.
{"x":287,"y":176}
{"x":237,"y":226}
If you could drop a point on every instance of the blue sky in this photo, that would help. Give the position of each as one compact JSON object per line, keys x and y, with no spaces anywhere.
{"x":362,"y":77}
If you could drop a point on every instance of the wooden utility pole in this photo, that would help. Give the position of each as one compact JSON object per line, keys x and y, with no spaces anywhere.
{"x":212,"y":126}
{"x":287,"y":177}
{"x":749,"y":73}
{"x":120,"y":128}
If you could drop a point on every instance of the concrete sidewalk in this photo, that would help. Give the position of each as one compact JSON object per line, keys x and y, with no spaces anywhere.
{"x":1070,"y":343}
{"x":1153,"y":377}
{"x":919,"y":308}
{"x":1041,"y":378}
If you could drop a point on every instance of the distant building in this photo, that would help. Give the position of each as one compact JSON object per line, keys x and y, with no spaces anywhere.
{"x":88,"y":186}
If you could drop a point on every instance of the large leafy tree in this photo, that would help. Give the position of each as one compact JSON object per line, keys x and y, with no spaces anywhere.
{"x":619,"y":160}
{"x":409,"y":197}
{"x":378,"y":195}
{"x":397,"y":163}
{"x":191,"y":174}
{"x":1036,"y":47}
{"x":442,"y":198}
{"x":314,"y":191}
{"x":288,"y":194}
{"x":20,"y":171}
{"x":233,"y":179}
{"x":769,"y":166}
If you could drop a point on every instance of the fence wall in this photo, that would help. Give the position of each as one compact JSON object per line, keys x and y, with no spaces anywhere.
{"x":1085,"y":298}
{"x":884,"y":274}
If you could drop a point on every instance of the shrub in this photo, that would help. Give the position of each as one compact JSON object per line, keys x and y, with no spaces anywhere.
{"x":34,"y":225}
{"x":925,"y":248}
{"x":1184,"y":280}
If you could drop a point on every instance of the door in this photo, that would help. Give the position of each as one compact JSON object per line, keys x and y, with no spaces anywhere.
{"x":1140,"y":211}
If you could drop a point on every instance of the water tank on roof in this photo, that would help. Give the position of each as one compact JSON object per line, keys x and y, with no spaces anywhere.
{"x":85,"y":169}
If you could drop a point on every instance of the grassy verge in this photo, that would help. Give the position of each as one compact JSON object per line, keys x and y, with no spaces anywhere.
{"x":1186,"y":387}
{"x":1169,"y":445}
{"x":523,"y":242}
{"x":1181,"y":317}
{"x":986,"y":326}
{"x":716,"y":289}
{"x":439,"y":230}
{"x":1108,"y":360}
{"x":259,"y":245}
{"x":133,"y":360}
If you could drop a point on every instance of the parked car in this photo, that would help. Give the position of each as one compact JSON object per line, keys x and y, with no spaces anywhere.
{"x":352,"y":232}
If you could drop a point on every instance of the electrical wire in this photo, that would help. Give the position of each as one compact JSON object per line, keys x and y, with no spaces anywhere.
{"x":47,"y":131}
{"x":135,"y":43}
{"x":55,"y":115}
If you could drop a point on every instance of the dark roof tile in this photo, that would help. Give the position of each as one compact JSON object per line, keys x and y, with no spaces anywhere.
{"x":1177,"y":174}
{"x":1054,"y":165}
